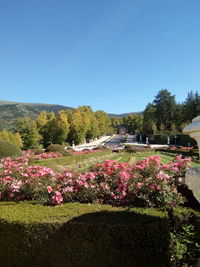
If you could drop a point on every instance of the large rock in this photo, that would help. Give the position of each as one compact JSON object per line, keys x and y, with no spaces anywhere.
{"x":192,"y":179}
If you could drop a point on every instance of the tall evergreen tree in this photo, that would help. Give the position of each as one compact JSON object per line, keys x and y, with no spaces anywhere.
{"x":165,"y":105}
{"x":191,"y":106}
{"x":149,"y":119}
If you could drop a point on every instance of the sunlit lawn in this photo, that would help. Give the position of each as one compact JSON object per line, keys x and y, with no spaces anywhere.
{"x":84,"y":165}
{"x":165,"y":159}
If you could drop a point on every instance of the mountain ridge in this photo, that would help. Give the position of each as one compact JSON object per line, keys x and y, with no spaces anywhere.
{"x":11,"y":111}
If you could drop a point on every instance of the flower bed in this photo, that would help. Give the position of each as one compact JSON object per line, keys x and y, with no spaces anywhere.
{"x":45,"y":155}
{"x":148,"y":183}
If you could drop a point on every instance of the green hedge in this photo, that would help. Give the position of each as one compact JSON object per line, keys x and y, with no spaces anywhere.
{"x":184,"y":140}
{"x":82,"y":235}
{"x":158,"y":139}
{"x":8,"y":149}
{"x":66,"y":160}
{"x":181,"y":139}
{"x":187,"y":153}
{"x":77,"y":234}
{"x":185,"y":237}
{"x":57,"y":148}
{"x":138,"y":150}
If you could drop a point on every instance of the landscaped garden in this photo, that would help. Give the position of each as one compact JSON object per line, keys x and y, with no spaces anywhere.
{"x":70,"y":210}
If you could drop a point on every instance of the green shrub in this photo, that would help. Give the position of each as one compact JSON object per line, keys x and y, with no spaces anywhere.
{"x":160,"y":139}
{"x":185,"y":237}
{"x":37,"y":151}
{"x":184,"y":140}
{"x":82,"y":235}
{"x":188,"y":153}
{"x":97,"y":235}
{"x":138,"y":150}
{"x":8,"y":149}
{"x":181,"y":139}
{"x":57,"y":148}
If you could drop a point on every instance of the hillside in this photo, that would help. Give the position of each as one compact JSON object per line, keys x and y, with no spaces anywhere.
{"x":11,"y":111}
{"x":126,"y":114}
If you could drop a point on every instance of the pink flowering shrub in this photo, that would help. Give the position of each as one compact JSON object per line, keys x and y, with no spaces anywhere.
{"x":148,"y":183}
{"x":48,"y":155}
{"x":45,"y":155}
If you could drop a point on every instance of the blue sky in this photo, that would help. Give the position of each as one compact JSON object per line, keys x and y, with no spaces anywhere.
{"x":113,"y":55}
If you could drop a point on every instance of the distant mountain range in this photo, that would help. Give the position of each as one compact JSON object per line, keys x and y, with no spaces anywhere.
{"x":11,"y":111}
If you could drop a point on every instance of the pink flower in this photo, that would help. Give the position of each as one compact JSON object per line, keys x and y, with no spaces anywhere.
{"x":139,"y":185}
{"x":152,"y":186}
{"x":49,"y":189}
{"x":57,"y":199}
{"x":11,"y":195}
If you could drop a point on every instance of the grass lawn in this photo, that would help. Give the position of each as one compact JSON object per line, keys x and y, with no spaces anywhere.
{"x":82,"y":163}
{"x":164,"y":158}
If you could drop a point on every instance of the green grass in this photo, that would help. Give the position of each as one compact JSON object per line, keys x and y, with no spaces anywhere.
{"x":121,"y":157}
{"x":69,"y":160}
{"x":82,"y":163}
{"x":165,"y":159}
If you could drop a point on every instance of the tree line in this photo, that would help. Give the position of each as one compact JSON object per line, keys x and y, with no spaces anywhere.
{"x":67,"y":127}
{"x":163,"y":115}
{"x":75,"y":126}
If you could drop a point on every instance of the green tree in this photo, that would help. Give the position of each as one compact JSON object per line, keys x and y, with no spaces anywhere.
{"x":29,"y":132}
{"x":62,"y":128}
{"x":103,"y":122}
{"x":149,"y":119}
{"x":77,"y":128}
{"x":116,"y":122}
{"x":49,"y":129}
{"x":133,"y":123}
{"x":191,"y":106}
{"x":165,"y":105}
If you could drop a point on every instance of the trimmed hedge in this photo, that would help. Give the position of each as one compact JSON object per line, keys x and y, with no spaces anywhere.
{"x":77,"y":234}
{"x":158,"y":139}
{"x":181,"y":139}
{"x":82,"y":235}
{"x":8,"y":149}
{"x":187,"y":153}
{"x":139,"y":150}
{"x":57,"y":148}
{"x":70,"y":159}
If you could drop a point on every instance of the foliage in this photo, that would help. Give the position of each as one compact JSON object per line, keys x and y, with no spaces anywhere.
{"x":133,"y":123}
{"x":191,"y":106}
{"x":29,"y":133}
{"x":12,"y":138}
{"x":57,"y":148}
{"x":165,"y":115}
{"x":103,"y":122}
{"x":8,"y":149}
{"x":149,"y":125}
{"x":185,"y":238}
{"x":82,"y":235}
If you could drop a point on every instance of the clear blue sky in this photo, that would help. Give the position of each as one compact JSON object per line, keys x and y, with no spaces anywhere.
{"x":113,"y":55}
